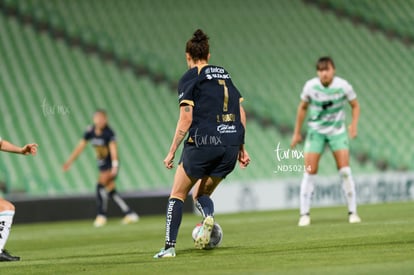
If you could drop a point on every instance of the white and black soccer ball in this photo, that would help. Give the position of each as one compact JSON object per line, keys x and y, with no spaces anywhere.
{"x":216,"y":235}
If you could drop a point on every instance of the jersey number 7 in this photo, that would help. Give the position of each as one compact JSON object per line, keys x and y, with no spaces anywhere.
{"x":222,"y":82}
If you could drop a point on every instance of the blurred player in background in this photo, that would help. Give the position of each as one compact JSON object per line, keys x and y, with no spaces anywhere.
{"x":211,"y":114}
{"x":324,"y":98}
{"x":102,"y":138}
{"x":7,"y":208}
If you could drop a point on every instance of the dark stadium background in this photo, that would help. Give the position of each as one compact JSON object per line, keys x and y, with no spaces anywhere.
{"x":60,"y":60}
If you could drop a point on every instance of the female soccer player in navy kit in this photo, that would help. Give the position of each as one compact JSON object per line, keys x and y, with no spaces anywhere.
{"x":215,"y":121}
{"x":103,"y":139}
{"x":7,"y":208}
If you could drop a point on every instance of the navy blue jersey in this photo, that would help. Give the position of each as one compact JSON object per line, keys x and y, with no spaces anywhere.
{"x":216,"y":107}
{"x":101,"y":144}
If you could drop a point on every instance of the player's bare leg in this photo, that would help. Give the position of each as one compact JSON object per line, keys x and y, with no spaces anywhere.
{"x":182,"y":184}
{"x":348,"y":184}
{"x":6,"y":220}
{"x":206,"y":186}
{"x":307,"y":187}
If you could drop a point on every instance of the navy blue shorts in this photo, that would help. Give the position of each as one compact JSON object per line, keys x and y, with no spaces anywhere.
{"x":199,"y":162}
{"x":104,"y":165}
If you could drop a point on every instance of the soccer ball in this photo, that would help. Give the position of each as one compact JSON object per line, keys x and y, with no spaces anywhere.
{"x":216,"y":235}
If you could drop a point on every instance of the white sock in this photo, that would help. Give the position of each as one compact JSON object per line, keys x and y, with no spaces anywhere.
{"x":348,"y":186}
{"x":6,"y":220}
{"x":306,"y":192}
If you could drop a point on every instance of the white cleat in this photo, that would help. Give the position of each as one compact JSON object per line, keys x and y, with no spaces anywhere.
{"x":99,"y":221}
{"x":169,"y":253}
{"x":130,"y":218}
{"x":304,"y":220}
{"x":204,"y":235}
{"x":354,"y":218}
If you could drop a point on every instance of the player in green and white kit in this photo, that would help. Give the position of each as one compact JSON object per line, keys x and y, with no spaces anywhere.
{"x":324,"y":98}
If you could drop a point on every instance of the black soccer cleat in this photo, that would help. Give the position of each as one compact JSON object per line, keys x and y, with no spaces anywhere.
{"x":6,"y":257}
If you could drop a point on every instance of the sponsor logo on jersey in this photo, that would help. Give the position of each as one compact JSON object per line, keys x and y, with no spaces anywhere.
{"x":226,"y":129}
{"x":216,"y":72}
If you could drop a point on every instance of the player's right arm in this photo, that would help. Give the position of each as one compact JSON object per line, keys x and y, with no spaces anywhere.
{"x":28,"y":149}
{"x":183,"y":125}
{"x":78,"y":149}
{"x":300,"y":117}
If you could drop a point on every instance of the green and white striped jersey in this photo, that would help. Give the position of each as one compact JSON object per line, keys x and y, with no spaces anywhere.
{"x":326,"y":113}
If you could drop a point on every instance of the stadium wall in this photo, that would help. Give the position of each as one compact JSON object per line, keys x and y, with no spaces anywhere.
{"x":84,"y":207}
{"x":284,"y":194}
{"x":229,"y":197}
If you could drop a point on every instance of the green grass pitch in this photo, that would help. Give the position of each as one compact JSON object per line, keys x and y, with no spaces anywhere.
{"x":253,"y":243}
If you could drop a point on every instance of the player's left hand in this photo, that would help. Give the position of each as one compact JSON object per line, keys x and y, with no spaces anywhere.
{"x":352,"y":130}
{"x":296,"y":138}
{"x":244,"y":158}
{"x":114,"y":172}
{"x":169,"y":161}
{"x":29,"y":149}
